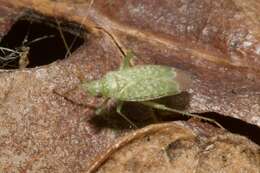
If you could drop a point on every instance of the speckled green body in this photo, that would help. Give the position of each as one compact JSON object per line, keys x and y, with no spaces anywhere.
{"x":142,"y":84}
{"x":138,"y":83}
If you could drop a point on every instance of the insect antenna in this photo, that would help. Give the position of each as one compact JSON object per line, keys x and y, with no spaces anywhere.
{"x":73,"y":101}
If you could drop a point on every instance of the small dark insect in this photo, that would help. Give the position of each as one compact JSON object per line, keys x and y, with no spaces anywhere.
{"x":21,"y":52}
{"x":142,"y":84}
{"x":11,"y":55}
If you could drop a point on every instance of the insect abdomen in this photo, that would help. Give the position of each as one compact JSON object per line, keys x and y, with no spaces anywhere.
{"x":143,"y":83}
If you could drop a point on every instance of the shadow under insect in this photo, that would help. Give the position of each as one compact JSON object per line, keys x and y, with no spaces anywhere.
{"x":140,"y":114}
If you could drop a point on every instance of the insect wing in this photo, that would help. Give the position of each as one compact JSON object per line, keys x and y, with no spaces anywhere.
{"x":149,"y":88}
{"x":143,"y":83}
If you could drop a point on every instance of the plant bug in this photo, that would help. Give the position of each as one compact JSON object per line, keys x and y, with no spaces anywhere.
{"x":141,"y":83}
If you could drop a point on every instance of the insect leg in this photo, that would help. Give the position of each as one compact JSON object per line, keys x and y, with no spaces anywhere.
{"x":102,"y":107}
{"x":126,"y":62}
{"x":163,"y":107}
{"x":118,"y":110}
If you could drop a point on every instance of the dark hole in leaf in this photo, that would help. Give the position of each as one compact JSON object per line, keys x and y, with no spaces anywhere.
{"x":237,"y":126}
{"x":42,"y":36}
{"x":231,"y":124}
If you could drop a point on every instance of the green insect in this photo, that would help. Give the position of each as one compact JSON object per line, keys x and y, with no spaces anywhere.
{"x":141,"y":83}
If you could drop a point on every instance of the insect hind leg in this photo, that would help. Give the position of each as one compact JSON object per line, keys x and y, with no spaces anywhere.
{"x":163,"y":107}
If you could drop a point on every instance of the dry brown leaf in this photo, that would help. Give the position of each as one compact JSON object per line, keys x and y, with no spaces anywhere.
{"x":217,"y":42}
{"x":175,"y":148}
